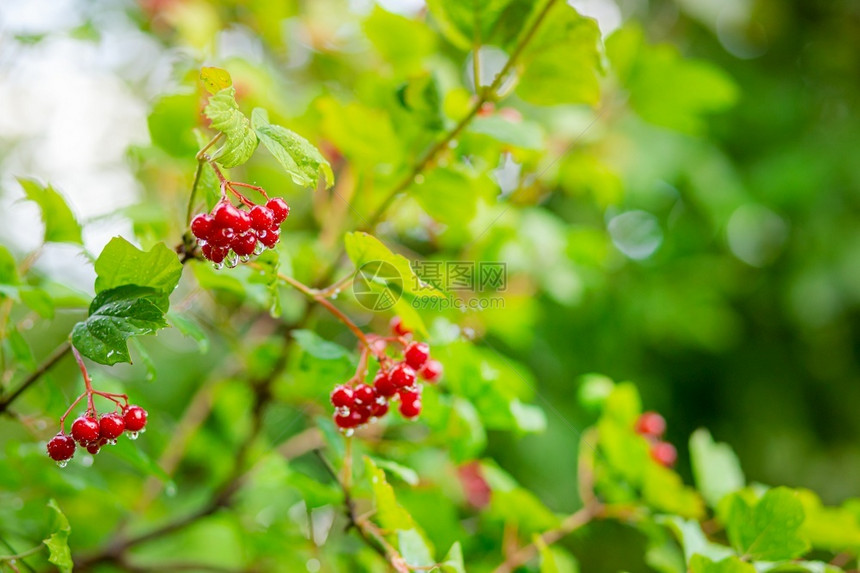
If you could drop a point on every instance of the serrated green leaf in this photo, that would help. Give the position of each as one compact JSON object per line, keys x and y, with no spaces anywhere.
{"x":693,"y":539}
{"x":299,"y":158}
{"x":768,"y":530}
{"x":363,"y":248}
{"x":701,"y":564}
{"x":240,"y":138}
{"x":61,"y":226}
{"x":318,"y":347}
{"x":461,"y":21}
{"x":58,"y":542}
{"x":561,"y":64}
{"x":388,"y":512}
{"x":413,"y":548}
{"x":715,"y":467}
{"x":115,"y":316}
{"x":121,"y":263}
{"x":215,"y":79}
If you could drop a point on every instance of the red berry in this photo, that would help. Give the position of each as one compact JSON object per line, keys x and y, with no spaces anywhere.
{"x":262,"y":218}
{"x":416,"y":354}
{"x":61,"y":447}
{"x":134,"y":418}
{"x":402,"y":375}
{"x":384,"y":385}
{"x":85,"y":430}
{"x":342,"y":397}
{"x":651,"y":424}
{"x":221,"y":237}
{"x":111,"y":425}
{"x":243,"y":222}
{"x":365,"y":394}
{"x":215,"y":254}
{"x":432,"y":371}
{"x":244,"y":244}
{"x":344,"y":421}
{"x":397,"y":326}
{"x":94,"y":448}
{"x":664,"y":453}
{"x":410,"y":404}
{"x":361,"y":416}
{"x":227,"y":216}
{"x":279,"y":208}
{"x":380,"y":408}
{"x":202,"y":226}
{"x":269,"y":238}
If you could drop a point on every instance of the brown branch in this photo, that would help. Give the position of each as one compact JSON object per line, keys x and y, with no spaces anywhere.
{"x":34,"y":376}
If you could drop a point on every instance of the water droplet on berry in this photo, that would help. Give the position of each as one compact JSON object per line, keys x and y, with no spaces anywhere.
{"x":133,"y":435}
{"x":217,"y":266}
{"x":62,"y":463}
{"x":112,"y":442}
{"x":348,"y":433}
{"x":202,"y":243}
{"x":232,"y":260}
{"x":259,"y":248}
{"x":245,"y":258}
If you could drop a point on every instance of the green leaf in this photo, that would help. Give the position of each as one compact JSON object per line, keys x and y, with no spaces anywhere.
{"x":190,"y":329}
{"x":299,"y":158}
{"x":318,"y":347}
{"x":561,"y":64}
{"x":523,"y":134}
{"x":61,"y":226}
{"x":215,"y":79}
{"x":407,"y":474}
{"x":770,"y":529}
{"x":460,"y":21}
{"x":8,"y":267}
{"x":58,"y":542}
{"x":241,"y":141}
{"x":664,"y":88}
{"x":715,"y":467}
{"x":115,"y":316}
{"x":413,"y":548}
{"x":701,"y":564}
{"x":453,"y":562}
{"x":693,"y":539}
{"x":363,"y":248}
{"x":172,"y":121}
{"x":121,"y":263}
{"x":834,"y":529}
{"x":388,"y":512}
{"x":555,"y":559}
{"x":37,"y":300}
{"x":663,"y":489}
{"x":20,"y":349}
{"x":401,"y":41}
{"x":528,"y":417}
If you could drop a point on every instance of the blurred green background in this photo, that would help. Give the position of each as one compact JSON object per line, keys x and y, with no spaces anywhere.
{"x":694,"y":229}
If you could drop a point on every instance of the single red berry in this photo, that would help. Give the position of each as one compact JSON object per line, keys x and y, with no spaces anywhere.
{"x":344,"y":421}
{"x":227,"y":216}
{"x":269,"y":238}
{"x":221,"y":237}
{"x":262,"y":218}
{"x":397,"y":326}
{"x":95,"y":447}
{"x":279,"y":208}
{"x":365,"y":394}
{"x":384,"y":385}
{"x":380,"y":408}
{"x":410,"y":404}
{"x":85,"y":430}
{"x":342,"y":397}
{"x":361,"y":416}
{"x":215,"y":254}
{"x":243,"y":222}
{"x":651,"y":424}
{"x":202,"y":226}
{"x":244,"y":244}
{"x":111,"y":425}
{"x":416,"y":354}
{"x":61,"y":447}
{"x":134,"y":418}
{"x":402,"y":375}
{"x":432,"y":371}
{"x":664,"y":453}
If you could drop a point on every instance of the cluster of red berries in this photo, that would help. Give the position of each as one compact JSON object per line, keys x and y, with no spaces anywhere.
{"x":652,"y":426}
{"x":92,"y":433}
{"x":360,"y":403}
{"x":228,"y":234}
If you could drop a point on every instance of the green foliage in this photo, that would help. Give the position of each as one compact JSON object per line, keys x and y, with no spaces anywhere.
{"x":715,"y":466}
{"x":61,"y":226}
{"x":296,"y":155}
{"x":240,"y":140}
{"x":769,"y":528}
{"x":58,"y":542}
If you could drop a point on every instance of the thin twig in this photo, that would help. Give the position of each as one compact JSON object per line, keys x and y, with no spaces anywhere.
{"x":49,"y":363}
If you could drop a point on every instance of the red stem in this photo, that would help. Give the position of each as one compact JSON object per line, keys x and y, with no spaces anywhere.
{"x":256,"y":188}
{"x":91,"y":410}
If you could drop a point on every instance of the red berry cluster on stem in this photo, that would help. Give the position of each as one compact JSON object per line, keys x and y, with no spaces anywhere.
{"x":229,"y":234}
{"x":92,"y":431}
{"x":357,"y":403}
{"x":652,"y":426}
